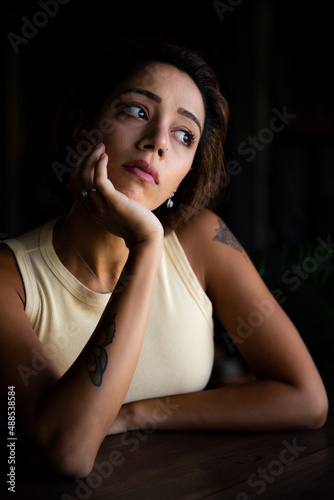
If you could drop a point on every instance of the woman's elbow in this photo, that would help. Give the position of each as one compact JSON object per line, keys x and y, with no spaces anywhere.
{"x":72,"y":466}
{"x":319,"y":416}
{"x":315,"y":410}
{"x":67,"y":459}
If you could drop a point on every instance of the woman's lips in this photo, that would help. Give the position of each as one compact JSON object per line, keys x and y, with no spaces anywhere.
{"x":143,"y":170}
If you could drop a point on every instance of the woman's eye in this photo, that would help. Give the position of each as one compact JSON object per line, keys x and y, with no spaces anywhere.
{"x":185,"y":137}
{"x":135,"y":111}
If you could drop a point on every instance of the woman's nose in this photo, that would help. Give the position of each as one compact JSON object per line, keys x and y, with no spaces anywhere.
{"x":155,"y":139}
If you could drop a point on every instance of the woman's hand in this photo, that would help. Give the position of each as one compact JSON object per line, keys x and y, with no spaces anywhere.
{"x":124,"y":421}
{"x":110,"y":208}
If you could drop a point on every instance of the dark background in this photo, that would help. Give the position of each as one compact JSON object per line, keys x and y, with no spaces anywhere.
{"x":270,"y":55}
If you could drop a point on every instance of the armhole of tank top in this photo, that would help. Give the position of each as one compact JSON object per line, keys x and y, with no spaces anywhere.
{"x":187,"y":274}
{"x":28,"y":277}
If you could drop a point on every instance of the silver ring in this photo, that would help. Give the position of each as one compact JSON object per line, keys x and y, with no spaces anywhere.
{"x":160,"y":152}
{"x":86,"y":193}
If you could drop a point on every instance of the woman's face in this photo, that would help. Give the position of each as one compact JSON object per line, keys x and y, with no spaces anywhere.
{"x":155,"y":108}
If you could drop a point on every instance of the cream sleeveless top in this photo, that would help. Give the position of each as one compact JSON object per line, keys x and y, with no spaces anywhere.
{"x":177,"y":352}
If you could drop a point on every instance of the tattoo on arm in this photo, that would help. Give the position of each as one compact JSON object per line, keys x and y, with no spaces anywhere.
{"x":225,"y":236}
{"x":97,"y":357}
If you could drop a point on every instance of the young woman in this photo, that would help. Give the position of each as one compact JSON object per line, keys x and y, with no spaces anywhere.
{"x":106,"y":313}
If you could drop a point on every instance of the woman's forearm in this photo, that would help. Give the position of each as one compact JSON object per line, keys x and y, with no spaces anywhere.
{"x":76,"y":414}
{"x":262,"y":405}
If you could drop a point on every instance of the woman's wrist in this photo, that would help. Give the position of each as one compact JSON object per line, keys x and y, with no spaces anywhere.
{"x":126,"y":419}
{"x":152,"y":239}
{"x":147,"y":252}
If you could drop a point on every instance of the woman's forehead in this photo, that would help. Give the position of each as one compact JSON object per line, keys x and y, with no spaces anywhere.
{"x":165,"y":83}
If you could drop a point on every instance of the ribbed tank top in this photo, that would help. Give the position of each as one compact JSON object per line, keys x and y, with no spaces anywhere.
{"x":177,"y":352}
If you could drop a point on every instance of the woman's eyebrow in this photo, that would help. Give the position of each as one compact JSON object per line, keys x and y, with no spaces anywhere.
{"x":158,"y":99}
{"x":144,"y":92}
{"x":192,"y":117}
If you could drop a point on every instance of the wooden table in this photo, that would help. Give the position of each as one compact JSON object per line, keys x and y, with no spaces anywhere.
{"x":196,"y":465}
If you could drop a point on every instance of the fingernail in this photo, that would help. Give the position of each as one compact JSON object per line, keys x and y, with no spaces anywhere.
{"x":98,"y":145}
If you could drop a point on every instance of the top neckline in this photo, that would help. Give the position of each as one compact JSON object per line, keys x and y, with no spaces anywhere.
{"x":72,"y":284}
{"x":171,"y":244}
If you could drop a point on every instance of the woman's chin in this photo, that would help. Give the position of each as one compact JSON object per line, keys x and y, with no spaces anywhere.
{"x":137,"y":193}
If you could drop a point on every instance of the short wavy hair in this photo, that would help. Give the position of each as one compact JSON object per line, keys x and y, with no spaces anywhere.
{"x":202,"y":186}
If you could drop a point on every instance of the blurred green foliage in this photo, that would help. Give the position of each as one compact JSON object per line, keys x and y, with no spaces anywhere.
{"x":303,"y":280}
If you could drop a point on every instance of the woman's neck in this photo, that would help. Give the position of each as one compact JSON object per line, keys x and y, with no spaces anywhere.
{"x":92,"y":254}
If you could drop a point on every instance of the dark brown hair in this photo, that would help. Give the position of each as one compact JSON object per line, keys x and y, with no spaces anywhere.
{"x":204,"y":183}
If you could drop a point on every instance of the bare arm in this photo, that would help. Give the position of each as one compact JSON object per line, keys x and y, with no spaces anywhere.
{"x":288,"y":392}
{"x":95,"y":386}
{"x":66,"y":418}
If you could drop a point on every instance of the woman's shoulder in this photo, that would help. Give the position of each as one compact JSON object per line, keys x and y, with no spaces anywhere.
{"x":7,"y":259}
{"x":204,"y":231}
{"x":10,"y":276}
{"x":202,"y":223}
{"x":209,"y":243}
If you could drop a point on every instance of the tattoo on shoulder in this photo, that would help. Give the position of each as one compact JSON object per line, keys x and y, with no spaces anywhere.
{"x":97,"y":357}
{"x":225,"y":236}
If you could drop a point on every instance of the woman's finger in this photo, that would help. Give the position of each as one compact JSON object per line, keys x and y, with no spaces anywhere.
{"x":82,"y":177}
{"x":100,"y":180}
{"x":87,"y":171}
